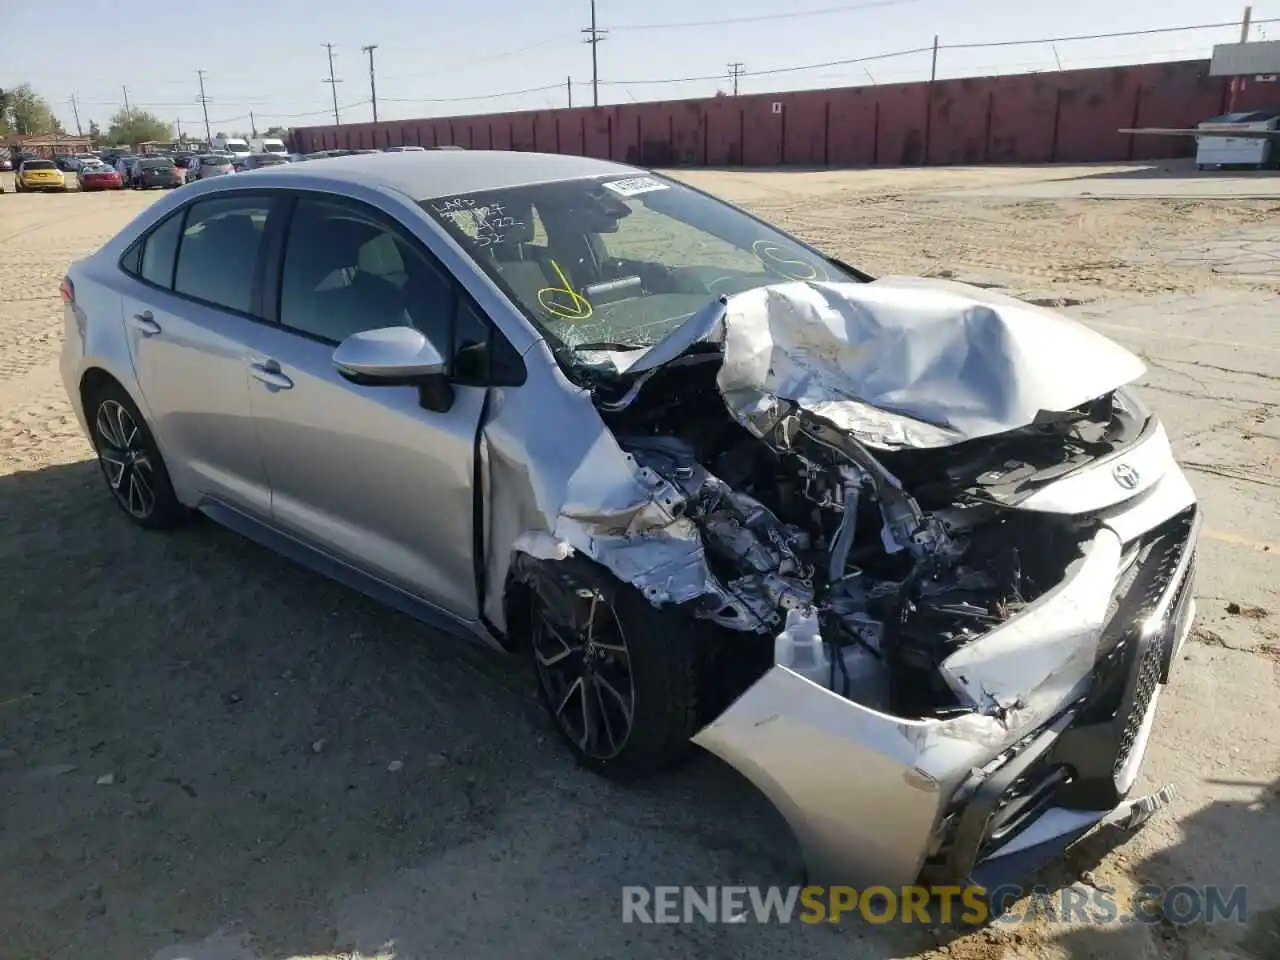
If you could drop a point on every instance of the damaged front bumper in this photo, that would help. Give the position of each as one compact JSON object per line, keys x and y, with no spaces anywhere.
{"x":988,"y":796}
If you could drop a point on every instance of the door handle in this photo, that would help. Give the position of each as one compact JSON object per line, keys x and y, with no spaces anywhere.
{"x":268,"y":372}
{"x":146,"y":324}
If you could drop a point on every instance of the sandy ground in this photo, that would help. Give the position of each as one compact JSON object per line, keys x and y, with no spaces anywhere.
{"x":208,"y":753}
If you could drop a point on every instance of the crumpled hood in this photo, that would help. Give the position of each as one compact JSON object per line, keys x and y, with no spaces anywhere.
{"x":901,"y":361}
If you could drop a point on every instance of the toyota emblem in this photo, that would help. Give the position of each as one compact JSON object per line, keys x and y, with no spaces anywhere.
{"x":1125,"y":475}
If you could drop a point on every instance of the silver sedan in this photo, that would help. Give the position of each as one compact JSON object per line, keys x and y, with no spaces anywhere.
{"x":910,"y":555}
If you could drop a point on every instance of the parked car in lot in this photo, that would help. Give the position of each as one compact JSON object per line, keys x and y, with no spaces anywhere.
{"x":210,"y":165}
{"x":6,"y":165}
{"x":97,"y":176}
{"x":911,"y":555}
{"x":403,"y":149}
{"x":124,"y":166}
{"x":39,"y":176}
{"x":151,"y":172}
{"x":257,"y":161}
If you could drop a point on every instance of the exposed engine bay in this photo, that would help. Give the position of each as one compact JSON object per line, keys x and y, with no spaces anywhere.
{"x":883,"y":561}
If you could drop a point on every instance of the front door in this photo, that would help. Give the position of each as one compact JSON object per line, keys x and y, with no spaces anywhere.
{"x":365,"y":473}
{"x":188,"y":323}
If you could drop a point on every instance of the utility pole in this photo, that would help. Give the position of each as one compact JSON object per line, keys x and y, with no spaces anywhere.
{"x":177,"y":125}
{"x":204,"y":105}
{"x":333,"y":82}
{"x":568,"y":88}
{"x":253,"y":127}
{"x":75,"y":111}
{"x":1233,"y":91}
{"x":373,"y":84}
{"x":127,"y":112}
{"x":736,"y":70}
{"x":594,"y":36}
{"x":928,"y":107}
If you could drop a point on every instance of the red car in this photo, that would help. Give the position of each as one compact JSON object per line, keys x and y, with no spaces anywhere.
{"x":98,"y":177}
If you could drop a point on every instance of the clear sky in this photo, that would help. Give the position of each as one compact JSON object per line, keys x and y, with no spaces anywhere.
{"x":266,"y":56}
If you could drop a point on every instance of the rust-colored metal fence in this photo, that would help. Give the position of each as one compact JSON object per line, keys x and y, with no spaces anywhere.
{"x":1067,"y":116}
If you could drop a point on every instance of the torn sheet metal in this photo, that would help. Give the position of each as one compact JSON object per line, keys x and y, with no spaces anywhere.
{"x":902,"y":361}
{"x":1030,"y":665}
{"x":861,"y":790}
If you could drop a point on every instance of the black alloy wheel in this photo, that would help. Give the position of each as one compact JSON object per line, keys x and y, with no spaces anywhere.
{"x":131,"y":463}
{"x":585,"y":674}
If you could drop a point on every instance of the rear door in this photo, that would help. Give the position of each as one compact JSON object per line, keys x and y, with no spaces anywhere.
{"x":198,"y":279}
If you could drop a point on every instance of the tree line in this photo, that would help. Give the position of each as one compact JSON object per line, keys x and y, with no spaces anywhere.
{"x":24,"y":111}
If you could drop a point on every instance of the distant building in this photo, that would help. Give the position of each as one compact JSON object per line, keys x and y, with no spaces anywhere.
{"x":49,"y":144}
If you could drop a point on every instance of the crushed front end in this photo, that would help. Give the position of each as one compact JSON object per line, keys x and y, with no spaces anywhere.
{"x":970,"y":622}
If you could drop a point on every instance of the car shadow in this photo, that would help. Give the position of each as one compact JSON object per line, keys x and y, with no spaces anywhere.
{"x":203,"y":743}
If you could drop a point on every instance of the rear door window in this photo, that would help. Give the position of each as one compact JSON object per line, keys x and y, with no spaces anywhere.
{"x":159,"y":252}
{"x":219,"y":251}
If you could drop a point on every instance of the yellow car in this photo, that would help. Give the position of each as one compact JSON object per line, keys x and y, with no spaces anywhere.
{"x":39,"y":175}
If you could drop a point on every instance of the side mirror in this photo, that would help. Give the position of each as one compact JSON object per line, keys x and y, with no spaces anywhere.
{"x":391,"y":356}
{"x":394,"y":357}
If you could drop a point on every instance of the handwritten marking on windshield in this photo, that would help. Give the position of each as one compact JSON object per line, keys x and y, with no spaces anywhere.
{"x":774,"y":258}
{"x":553,"y":299}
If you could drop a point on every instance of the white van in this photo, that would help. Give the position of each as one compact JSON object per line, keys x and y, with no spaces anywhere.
{"x":268,"y":145}
{"x":236,"y":146}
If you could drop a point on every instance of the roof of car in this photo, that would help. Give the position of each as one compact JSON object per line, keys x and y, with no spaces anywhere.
{"x":432,"y":173}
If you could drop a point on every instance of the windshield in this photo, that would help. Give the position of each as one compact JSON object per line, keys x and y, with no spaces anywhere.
{"x":620,"y":263}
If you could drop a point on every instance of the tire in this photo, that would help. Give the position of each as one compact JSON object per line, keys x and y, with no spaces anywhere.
{"x":130,"y":459}
{"x":661,"y":650}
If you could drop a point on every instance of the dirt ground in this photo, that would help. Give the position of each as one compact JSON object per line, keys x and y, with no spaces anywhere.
{"x":208,"y":753}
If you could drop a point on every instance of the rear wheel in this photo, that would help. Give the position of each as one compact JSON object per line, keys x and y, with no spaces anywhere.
{"x":618,"y":676}
{"x":130,"y":460}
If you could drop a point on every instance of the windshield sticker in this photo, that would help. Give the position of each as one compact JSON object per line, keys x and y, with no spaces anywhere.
{"x":564,"y":301}
{"x":634,"y":186}
{"x":776,"y":260}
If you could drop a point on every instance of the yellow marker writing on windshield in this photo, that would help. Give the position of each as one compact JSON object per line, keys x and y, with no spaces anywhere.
{"x":775,"y":259}
{"x":564,"y":301}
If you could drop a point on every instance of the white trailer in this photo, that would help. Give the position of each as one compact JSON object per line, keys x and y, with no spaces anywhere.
{"x":268,"y":145}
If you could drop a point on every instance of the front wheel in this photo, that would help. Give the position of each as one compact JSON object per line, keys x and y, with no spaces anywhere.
{"x":130,"y":460}
{"x":618,"y":676}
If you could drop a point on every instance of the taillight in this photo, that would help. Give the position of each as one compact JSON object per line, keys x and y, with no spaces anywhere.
{"x":68,"y":290}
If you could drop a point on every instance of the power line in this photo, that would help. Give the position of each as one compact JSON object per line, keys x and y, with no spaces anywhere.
{"x":1096,"y":36}
{"x":474,"y":62}
{"x":480,"y":96}
{"x":594,"y":36}
{"x":333,"y":85}
{"x":776,"y":70}
{"x":795,"y":15}
{"x":373,"y":85}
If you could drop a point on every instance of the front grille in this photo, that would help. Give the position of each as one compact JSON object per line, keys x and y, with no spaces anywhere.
{"x":1143,"y":627}
{"x":1144,"y":687}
